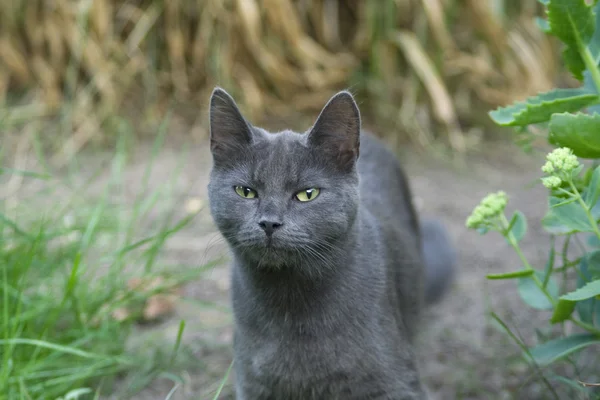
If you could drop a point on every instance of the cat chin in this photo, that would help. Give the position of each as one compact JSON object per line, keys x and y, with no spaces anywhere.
{"x":269,"y":258}
{"x":275,"y":253}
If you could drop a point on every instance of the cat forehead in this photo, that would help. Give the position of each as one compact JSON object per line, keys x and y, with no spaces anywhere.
{"x":283,"y":157}
{"x":282,"y":138}
{"x":279,"y":145}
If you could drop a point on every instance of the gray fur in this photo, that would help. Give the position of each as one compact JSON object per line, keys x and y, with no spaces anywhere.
{"x":440,"y":258}
{"x":326,"y":300}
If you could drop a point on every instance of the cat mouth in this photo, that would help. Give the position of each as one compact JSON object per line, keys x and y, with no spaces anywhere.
{"x":271,"y":247}
{"x":261,"y":244}
{"x":273,"y":244}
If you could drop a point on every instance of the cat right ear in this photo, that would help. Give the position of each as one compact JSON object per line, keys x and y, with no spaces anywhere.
{"x":229,"y":131}
{"x":336,"y":133}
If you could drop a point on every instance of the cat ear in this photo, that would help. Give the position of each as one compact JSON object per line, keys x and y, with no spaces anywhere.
{"x":337,"y":130}
{"x":229,"y":131}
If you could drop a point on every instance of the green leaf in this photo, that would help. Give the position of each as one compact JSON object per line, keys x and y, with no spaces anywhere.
{"x":572,"y":21}
{"x":511,"y":275}
{"x":589,"y":311}
{"x":585,"y":179}
{"x":589,"y":269}
{"x":553,"y":350}
{"x":565,"y":218}
{"x":593,"y":241}
{"x":596,"y":211}
{"x":518,"y":225}
{"x":588,"y":81}
{"x":578,"y":132}
{"x":592,"y":192}
{"x":483,"y":230}
{"x":534,"y":296}
{"x":591,"y":289}
{"x":541,"y":107}
{"x":563,"y":311}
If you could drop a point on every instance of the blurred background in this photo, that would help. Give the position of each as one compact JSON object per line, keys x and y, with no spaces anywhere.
{"x":113,"y":277}
{"x":422,"y":69}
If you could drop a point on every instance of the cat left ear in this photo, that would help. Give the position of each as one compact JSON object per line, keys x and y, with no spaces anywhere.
{"x":337,"y":130}
{"x":229,"y":131}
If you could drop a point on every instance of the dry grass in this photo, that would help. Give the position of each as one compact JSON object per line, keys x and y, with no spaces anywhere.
{"x":420,"y":65}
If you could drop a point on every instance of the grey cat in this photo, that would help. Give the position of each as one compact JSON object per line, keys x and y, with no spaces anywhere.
{"x":328,"y":274}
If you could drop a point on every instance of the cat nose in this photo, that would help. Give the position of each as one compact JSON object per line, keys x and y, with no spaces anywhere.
{"x":269,"y":226}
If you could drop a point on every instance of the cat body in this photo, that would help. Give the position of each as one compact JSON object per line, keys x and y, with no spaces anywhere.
{"x":328,"y":271}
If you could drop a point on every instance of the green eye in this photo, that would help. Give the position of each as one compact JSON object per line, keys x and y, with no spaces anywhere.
{"x":307,"y":194}
{"x":245,"y":192}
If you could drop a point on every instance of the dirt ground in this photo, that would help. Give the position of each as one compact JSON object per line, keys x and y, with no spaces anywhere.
{"x":462,"y":355}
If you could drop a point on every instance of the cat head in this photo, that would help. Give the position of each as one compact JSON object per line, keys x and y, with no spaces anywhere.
{"x":284,"y":199}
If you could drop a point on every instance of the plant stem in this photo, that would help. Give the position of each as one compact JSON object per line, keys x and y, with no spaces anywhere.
{"x":590,"y":64}
{"x":588,"y":327}
{"x":515,"y":245}
{"x":585,"y":207}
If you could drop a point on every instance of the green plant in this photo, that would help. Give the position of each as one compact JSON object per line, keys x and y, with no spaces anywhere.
{"x":571,"y":119}
{"x":67,"y":262}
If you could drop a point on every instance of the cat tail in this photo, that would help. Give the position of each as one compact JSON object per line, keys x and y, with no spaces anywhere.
{"x":439,"y":255}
